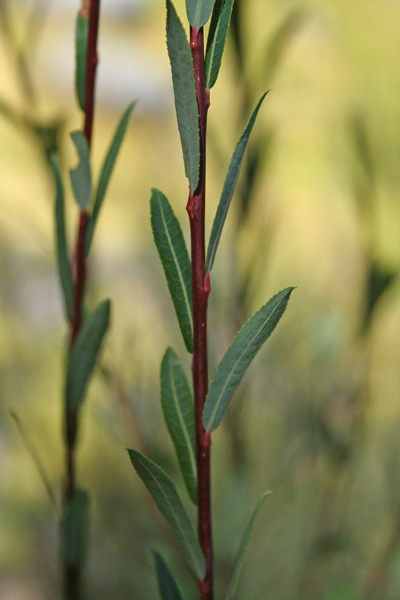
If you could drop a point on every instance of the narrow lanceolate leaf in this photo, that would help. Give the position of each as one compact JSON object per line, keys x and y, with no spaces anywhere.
{"x":81,"y":177}
{"x":178,"y":408}
{"x":239,"y":356}
{"x":229,"y":187}
{"x":64,"y":269}
{"x":216,"y":39}
{"x":106,"y":172}
{"x":74,"y":528}
{"x":81,"y":39}
{"x":199,"y":11}
{"x":243,"y":548}
{"x":166,"y":583}
{"x":175,"y":260}
{"x":85,"y":352}
{"x":187,"y":112}
{"x":164,"y":494}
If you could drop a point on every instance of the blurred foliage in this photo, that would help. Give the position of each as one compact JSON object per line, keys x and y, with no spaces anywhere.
{"x":317,"y":418}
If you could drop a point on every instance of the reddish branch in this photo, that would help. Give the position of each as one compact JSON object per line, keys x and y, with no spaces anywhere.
{"x":72,"y":573}
{"x":200,"y":293}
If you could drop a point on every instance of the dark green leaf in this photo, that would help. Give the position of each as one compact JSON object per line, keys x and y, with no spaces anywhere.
{"x":239,"y":356}
{"x":64,"y":269}
{"x":185,"y":95}
{"x":178,"y":408}
{"x":175,"y":261}
{"x":84,"y":355}
{"x":216,"y":39}
{"x":164,"y":494}
{"x":74,"y":528}
{"x":199,"y":11}
{"x":166,"y":583}
{"x":81,"y":40}
{"x":229,"y":187}
{"x":106,"y":172}
{"x":81,"y":177}
{"x":243,"y":548}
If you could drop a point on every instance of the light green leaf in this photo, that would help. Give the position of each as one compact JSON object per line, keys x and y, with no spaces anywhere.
{"x":166,"y":583}
{"x":187,"y":112}
{"x":175,"y":260}
{"x":74,"y":528}
{"x":239,"y":356}
{"x":84,"y":354}
{"x":199,"y":11}
{"x":81,"y":177}
{"x":81,"y":40}
{"x":229,"y":187}
{"x":164,"y":494}
{"x":216,"y":39}
{"x":178,"y":407}
{"x":64,"y":269}
{"x":243,"y":548}
{"x":106,"y":172}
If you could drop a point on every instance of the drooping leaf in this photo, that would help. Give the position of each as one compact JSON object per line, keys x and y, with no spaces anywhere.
{"x":178,"y":408}
{"x":74,"y":528}
{"x":239,"y":356}
{"x":81,"y":41}
{"x":83,"y":357}
{"x":175,"y":260}
{"x":199,"y":11}
{"x":243,"y":548}
{"x":187,"y":112}
{"x":106,"y":172}
{"x":164,"y":494}
{"x":166,"y":583}
{"x":64,"y":269}
{"x":216,"y":39}
{"x":81,"y":177}
{"x":229,"y":187}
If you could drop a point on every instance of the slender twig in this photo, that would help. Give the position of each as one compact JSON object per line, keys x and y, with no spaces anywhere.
{"x":72,"y":575}
{"x":201,"y":290}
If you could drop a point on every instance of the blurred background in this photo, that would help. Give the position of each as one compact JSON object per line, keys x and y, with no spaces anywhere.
{"x":317,"y":417}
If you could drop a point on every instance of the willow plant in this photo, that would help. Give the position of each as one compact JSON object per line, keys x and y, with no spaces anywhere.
{"x":192,"y":413}
{"x":86,"y":329}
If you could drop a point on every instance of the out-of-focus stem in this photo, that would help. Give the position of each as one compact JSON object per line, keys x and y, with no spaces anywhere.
{"x":200,"y":293}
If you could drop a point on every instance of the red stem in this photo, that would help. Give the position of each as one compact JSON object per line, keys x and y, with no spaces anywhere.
{"x":200,"y":293}
{"x":72,"y":572}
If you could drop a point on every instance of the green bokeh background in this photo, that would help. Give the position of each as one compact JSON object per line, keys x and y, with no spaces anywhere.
{"x":317,"y":418}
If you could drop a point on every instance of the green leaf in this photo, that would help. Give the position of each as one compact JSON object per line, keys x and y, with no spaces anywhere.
{"x":81,"y":41}
{"x":178,"y":407}
{"x":166,"y":583}
{"x":187,"y":112}
{"x":74,"y":528}
{"x":199,"y":11}
{"x":84,"y":354}
{"x":243,"y":548}
{"x":229,"y":187}
{"x":216,"y":39}
{"x":64,"y":269}
{"x":106,"y":172}
{"x":175,"y":260}
{"x":81,"y":177}
{"x":164,"y":494}
{"x":239,"y":356}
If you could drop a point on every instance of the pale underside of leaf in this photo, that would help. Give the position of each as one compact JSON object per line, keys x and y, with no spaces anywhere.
{"x":81,"y":38}
{"x":175,"y":260}
{"x":185,"y":95}
{"x":229,"y":187}
{"x":164,"y":494}
{"x":81,"y":177}
{"x":239,"y":356}
{"x":199,"y":11}
{"x":178,"y":409}
{"x":244,"y":544}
